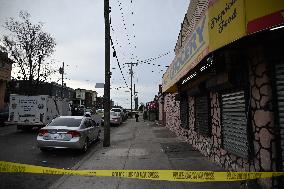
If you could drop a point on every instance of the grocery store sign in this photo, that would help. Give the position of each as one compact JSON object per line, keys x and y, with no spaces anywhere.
{"x":194,"y":50}
{"x":224,"y":22}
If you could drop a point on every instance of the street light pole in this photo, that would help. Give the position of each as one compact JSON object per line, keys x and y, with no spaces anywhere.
{"x":106,"y":142}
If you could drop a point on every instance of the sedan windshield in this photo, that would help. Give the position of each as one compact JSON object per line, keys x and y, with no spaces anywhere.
{"x":68,"y":122}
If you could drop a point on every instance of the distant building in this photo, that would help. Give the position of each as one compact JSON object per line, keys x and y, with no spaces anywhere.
{"x":5,"y":75}
{"x":99,"y":103}
{"x":91,"y":97}
{"x":85,"y":97}
{"x":79,"y":98}
{"x":43,"y":88}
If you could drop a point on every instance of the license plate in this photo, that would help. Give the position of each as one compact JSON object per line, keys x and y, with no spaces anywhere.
{"x":57,"y":136}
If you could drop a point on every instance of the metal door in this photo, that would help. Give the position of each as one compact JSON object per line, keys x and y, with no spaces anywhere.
{"x":234,"y":123}
{"x":279,"y":76}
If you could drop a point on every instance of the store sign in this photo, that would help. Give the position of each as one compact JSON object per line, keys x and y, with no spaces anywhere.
{"x":226,"y":22}
{"x":80,"y":94}
{"x":266,"y":15}
{"x":194,"y":50}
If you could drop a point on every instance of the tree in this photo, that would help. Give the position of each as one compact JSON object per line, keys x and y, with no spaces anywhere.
{"x":29,"y":47}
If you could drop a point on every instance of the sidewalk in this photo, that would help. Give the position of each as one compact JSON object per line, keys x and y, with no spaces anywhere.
{"x":141,"y":145}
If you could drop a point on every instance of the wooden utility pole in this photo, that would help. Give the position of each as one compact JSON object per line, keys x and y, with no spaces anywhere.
{"x":135,"y":99}
{"x":131,"y":76}
{"x":106,"y":142}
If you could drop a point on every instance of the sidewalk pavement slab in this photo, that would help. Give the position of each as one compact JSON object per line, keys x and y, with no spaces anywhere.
{"x":142,"y":145}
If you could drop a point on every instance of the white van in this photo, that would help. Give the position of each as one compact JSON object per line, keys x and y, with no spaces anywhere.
{"x":36,"y":111}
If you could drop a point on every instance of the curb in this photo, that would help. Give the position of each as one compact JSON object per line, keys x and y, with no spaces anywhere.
{"x":62,"y":179}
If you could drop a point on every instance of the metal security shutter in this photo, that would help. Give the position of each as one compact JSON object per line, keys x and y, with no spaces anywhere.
{"x":234,"y":123}
{"x":279,"y":75}
{"x":202,"y":125}
{"x":184,"y":110}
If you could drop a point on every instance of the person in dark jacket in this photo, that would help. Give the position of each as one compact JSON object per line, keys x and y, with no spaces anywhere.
{"x":136,"y":116}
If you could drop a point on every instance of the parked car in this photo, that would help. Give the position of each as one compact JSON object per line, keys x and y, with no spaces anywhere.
{"x":89,"y":110}
{"x":79,"y":110}
{"x":4,"y":115}
{"x":100,"y":112}
{"x":76,"y":132}
{"x":115,"y":118}
{"x":120,"y":111}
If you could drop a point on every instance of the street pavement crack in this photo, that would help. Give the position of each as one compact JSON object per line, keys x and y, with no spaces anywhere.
{"x":128,"y":151}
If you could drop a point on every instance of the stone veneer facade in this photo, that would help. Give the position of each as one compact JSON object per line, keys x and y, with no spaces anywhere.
{"x":263,"y":155}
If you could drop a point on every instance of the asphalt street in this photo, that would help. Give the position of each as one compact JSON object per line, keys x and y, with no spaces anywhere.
{"x":20,"y":147}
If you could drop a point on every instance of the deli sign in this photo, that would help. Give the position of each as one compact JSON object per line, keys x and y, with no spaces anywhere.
{"x":227,"y":22}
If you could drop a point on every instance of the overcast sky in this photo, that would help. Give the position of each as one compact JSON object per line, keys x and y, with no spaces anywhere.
{"x":142,"y":29}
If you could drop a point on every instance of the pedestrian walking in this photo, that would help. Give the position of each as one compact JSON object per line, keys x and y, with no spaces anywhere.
{"x":136,"y":116}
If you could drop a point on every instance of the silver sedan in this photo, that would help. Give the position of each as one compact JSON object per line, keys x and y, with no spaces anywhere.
{"x":76,"y":132}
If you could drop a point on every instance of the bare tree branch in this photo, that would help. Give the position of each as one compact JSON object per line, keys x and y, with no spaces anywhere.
{"x":29,"y":47}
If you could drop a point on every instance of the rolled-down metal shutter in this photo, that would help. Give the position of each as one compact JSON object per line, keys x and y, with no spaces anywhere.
{"x":202,"y":125}
{"x":184,"y":110}
{"x":279,"y":74}
{"x":234,"y":123}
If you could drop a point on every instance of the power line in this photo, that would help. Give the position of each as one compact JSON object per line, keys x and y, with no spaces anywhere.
{"x":115,"y":55}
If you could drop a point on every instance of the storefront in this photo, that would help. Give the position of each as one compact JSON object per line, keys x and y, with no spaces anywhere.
{"x":224,"y":91}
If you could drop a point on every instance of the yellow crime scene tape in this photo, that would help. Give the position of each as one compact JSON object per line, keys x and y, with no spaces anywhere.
{"x":166,"y":175}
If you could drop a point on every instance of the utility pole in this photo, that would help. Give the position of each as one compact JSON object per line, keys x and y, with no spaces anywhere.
{"x":131,"y":76}
{"x":61,"y":71}
{"x":106,"y":142}
{"x":135,"y":98}
{"x":135,"y":91}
